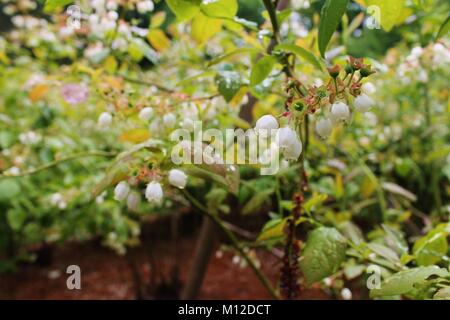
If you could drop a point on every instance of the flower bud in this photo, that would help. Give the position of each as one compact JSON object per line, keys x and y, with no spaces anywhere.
{"x":177,"y":178}
{"x":104,"y":120}
{"x":334,"y":71}
{"x":146,"y":113}
{"x":154,"y":192}
{"x":121,"y":191}
{"x":324,"y":127}
{"x":363,"y":103}
{"x":340,"y":112}
{"x":366,"y":71}
{"x":348,"y":69}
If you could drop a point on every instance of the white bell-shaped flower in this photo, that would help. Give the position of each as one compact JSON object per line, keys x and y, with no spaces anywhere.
{"x":169,"y":120}
{"x":324,"y":127}
{"x":146,"y":113}
{"x":177,"y":178}
{"x":121,"y":191}
{"x":340,"y":112}
{"x":133,"y":201}
{"x":289,"y":143}
{"x":104,"y":120}
{"x":363,"y":103}
{"x":265,"y":124}
{"x":368,"y":88}
{"x":154,"y":192}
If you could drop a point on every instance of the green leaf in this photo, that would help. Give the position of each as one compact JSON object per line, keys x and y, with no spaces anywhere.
{"x":220,"y":8}
{"x":330,"y":16}
{"x":228,"y":84}
{"x":9,"y":188}
{"x":431,"y":248}
{"x":261,"y":70}
{"x":257,"y":201}
{"x":303,"y":53}
{"x":16,"y":218}
{"x":405,"y":281}
{"x":52,"y":5}
{"x":184,"y":9}
{"x":231,"y":54}
{"x":444,"y":29}
{"x":385,"y":252}
{"x":323,"y":254}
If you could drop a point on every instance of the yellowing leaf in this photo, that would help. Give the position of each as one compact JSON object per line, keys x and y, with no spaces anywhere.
{"x":110,"y":64}
{"x":339,"y":191}
{"x":158,"y":39}
{"x":158,"y":19}
{"x":135,"y":136}
{"x":38,"y":92}
{"x":367,"y":187}
{"x":203,"y":28}
{"x":391,"y":13}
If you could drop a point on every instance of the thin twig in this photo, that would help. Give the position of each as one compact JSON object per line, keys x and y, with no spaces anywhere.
{"x":61,"y":160}
{"x":147,"y":83}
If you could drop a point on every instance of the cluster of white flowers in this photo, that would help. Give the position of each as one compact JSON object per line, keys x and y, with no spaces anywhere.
{"x":340,"y":111}
{"x":153,"y":192}
{"x":57,"y":200}
{"x":30,"y":138}
{"x":145,"y":6}
{"x":420,"y":60}
{"x":287,"y":140}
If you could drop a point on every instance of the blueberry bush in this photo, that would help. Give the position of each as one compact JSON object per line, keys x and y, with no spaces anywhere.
{"x":325,"y":121}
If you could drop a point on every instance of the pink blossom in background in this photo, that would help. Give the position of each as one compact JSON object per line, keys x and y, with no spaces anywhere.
{"x":74,"y":93}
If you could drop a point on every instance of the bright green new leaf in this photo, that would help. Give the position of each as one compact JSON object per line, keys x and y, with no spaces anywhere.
{"x":330,"y":17}
{"x":184,"y":9}
{"x":9,"y":188}
{"x":302,"y":53}
{"x":405,"y":281}
{"x":323,"y":254}
{"x":203,"y":28}
{"x":220,"y":8}
{"x":157,"y":19}
{"x":261,"y":70}
{"x":272,"y":230}
{"x":391,"y":12}
{"x":431,"y":248}
{"x":52,"y":5}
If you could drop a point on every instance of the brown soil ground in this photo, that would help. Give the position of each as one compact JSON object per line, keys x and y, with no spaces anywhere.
{"x":105,"y":275}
